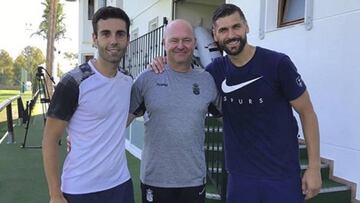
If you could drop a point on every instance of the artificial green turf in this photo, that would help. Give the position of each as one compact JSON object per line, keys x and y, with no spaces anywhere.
{"x":21,"y":171}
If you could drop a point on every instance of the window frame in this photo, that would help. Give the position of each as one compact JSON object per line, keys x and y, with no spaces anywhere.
{"x":134,"y":34}
{"x":153,"y":24}
{"x":283,"y":10}
{"x":91,"y":9}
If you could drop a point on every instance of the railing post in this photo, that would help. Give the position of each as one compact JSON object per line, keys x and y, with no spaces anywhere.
{"x":21,"y":110}
{"x":10,"y":130}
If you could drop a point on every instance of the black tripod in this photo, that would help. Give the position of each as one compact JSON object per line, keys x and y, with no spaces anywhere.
{"x":43,"y":92}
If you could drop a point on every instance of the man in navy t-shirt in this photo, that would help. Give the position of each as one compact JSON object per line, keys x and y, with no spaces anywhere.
{"x":259,"y":88}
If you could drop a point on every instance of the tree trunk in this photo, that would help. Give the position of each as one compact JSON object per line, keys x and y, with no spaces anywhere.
{"x":50,"y":45}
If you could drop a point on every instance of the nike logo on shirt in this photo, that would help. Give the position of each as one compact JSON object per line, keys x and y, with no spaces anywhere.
{"x":227,"y":89}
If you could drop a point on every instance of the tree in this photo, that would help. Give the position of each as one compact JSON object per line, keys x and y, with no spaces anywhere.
{"x":71,"y":57}
{"x":60,"y":25}
{"x":53,"y":29}
{"x":6,"y":68}
{"x":19,"y":65}
{"x":29,"y":59}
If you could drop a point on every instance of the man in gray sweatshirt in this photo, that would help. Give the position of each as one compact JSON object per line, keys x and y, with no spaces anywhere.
{"x":173,"y":167}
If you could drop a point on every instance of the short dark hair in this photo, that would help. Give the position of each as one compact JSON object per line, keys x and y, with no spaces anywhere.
{"x":226,"y":10}
{"x":110,"y":12}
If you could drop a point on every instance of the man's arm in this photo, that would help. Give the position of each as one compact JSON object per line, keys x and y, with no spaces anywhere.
{"x":53,"y":131}
{"x":158,"y":64}
{"x":311,"y":181}
{"x":130,"y":119}
{"x":140,"y":111}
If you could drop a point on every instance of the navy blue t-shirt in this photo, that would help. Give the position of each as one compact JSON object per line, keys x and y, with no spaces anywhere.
{"x":259,"y":126}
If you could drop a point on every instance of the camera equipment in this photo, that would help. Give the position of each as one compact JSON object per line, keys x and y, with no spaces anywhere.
{"x":43,"y":92}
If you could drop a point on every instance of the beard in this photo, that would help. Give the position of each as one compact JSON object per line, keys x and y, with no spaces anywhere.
{"x":112,"y":58}
{"x":238,"y":50}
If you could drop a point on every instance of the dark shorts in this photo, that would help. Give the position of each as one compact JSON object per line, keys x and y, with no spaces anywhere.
{"x":173,"y":195}
{"x":252,"y":190}
{"x":122,"y":193}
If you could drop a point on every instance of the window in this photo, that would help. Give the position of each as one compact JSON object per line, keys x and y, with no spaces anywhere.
{"x":290,"y":12}
{"x":134,"y":34}
{"x":153,"y":24}
{"x":91,"y":9}
{"x":88,"y":57}
{"x":102,"y":3}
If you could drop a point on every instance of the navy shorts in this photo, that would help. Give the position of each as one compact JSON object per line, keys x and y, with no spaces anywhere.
{"x":122,"y":193}
{"x":152,"y":194}
{"x":253,"y":190}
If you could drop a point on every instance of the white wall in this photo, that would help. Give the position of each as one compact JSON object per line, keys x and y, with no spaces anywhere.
{"x":85,"y":31}
{"x":327,"y":56}
{"x":142,"y":12}
{"x":196,"y":13}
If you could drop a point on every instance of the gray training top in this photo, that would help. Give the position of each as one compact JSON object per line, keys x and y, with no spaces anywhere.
{"x":176,"y":105}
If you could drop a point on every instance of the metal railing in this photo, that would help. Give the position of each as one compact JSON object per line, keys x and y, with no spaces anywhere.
{"x":9,"y":116}
{"x":215,"y":160}
{"x":142,"y":50}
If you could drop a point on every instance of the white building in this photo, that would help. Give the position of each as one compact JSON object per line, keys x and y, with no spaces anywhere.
{"x":322,"y":43}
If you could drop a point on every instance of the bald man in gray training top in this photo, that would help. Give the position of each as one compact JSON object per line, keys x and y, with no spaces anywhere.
{"x":173,"y":167}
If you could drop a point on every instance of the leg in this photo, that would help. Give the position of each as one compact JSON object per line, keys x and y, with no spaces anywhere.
{"x":192,"y":194}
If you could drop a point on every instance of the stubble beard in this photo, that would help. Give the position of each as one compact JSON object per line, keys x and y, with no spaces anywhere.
{"x":242,"y":40}
{"x":110,"y":58}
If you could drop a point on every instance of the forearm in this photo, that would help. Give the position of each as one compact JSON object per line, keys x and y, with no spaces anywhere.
{"x":51,"y":165}
{"x":312,"y":138}
{"x":53,"y":131}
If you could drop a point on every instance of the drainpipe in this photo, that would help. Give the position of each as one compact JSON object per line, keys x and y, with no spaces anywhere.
{"x":173,"y":8}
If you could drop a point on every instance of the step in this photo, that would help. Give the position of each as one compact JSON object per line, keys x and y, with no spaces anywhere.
{"x":212,"y":193}
{"x":216,"y":148}
{"x":332,"y":192}
{"x":213,"y":170}
{"x":214,"y":128}
{"x":212,"y":196}
{"x":325,"y":170}
{"x":215,"y":138}
{"x":302,"y":151}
